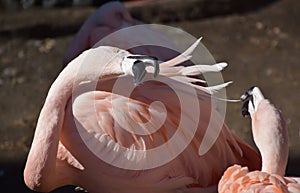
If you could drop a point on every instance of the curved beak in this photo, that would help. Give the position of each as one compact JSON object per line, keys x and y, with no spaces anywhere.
{"x":139,"y":71}
{"x":139,"y":67}
{"x":245,"y":99}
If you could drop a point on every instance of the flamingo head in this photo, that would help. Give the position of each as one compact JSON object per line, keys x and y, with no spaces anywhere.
{"x":111,"y":62}
{"x":250,"y":106}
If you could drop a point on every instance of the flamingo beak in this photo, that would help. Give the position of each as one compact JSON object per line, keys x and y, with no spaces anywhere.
{"x":245,"y":99}
{"x":139,"y":71}
{"x":245,"y":110}
{"x":139,"y":67}
{"x":247,"y":94}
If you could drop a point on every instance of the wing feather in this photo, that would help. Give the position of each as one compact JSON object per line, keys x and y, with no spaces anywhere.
{"x":239,"y":179}
{"x":130,"y":124}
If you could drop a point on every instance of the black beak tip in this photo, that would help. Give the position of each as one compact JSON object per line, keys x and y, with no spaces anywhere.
{"x":245,"y":111}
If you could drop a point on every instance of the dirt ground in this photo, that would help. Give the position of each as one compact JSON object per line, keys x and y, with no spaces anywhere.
{"x":262,"y":47}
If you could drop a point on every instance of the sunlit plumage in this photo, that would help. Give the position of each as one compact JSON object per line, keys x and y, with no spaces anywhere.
{"x":77,"y":127}
{"x":270,"y":135}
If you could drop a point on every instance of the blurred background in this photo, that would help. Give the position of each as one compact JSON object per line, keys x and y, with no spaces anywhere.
{"x":258,"y":38}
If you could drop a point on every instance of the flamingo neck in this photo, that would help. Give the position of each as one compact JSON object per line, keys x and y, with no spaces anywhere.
{"x":272,"y":140}
{"x":49,"y":125}
{"x":89,"y":66}
{"x":274,"y":164}
{"x":47,"y":134}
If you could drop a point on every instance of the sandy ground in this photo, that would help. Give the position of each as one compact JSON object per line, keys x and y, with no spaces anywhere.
{"x":262,"y":48}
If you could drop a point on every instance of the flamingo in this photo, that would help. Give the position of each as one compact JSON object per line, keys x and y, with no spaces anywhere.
{"x":109,"y":18}
{"x":77,"y":140}
{"x":271,"y":137}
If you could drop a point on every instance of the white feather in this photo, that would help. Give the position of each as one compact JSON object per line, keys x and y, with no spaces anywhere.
{"x":185,"y":56}
{"x":200,"y":69}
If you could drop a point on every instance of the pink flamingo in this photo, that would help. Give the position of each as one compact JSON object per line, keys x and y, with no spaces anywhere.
{"x":72,"y":135}
{"x":109,"y":18}
{"x":271,"y":137}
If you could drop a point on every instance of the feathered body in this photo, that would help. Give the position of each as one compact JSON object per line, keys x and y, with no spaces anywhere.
{"x":93,"y":135}
{"x":271,"y":137}
{"x":240,"y":179}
